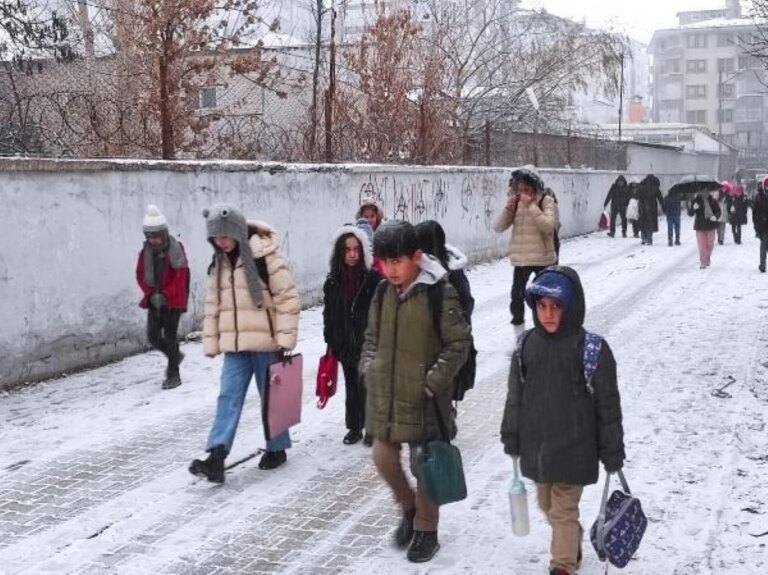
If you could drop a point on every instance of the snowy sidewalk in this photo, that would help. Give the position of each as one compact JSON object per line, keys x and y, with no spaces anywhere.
{"x":93,"y":467}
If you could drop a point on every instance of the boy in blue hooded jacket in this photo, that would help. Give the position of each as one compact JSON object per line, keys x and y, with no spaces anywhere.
{"x":558,"y":424}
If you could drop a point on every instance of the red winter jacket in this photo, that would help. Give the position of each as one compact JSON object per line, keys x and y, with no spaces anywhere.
{"x":174,"y":285}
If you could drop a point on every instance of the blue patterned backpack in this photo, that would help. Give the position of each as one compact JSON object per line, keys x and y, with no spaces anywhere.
{"x":619,"y":528}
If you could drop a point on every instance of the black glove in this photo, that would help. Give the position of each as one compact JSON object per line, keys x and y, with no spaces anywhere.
{"x":283,"y":355}
{"x":157,"y":300}
{"x":613,"y":466}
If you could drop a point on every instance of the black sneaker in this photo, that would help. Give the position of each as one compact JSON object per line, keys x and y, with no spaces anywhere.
{"x":211,"y":468}
{"x":670,"y":243}
{"x":762,"y":269}
{"x":272,"y":459}
{"x":352,"y":437}
{"x":367,"y":439}
{"x":517,"y":321}
{"x":404,"y":531}
{"x":423,"y":547}
{"x":611,"y":234}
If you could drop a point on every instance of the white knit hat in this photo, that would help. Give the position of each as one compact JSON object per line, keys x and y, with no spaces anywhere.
{"x":154,"y":220}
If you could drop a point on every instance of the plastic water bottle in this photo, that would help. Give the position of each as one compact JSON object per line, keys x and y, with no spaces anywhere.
{"x":518,"y":504}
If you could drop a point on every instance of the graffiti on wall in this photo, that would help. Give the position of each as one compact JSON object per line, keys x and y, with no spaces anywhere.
{"x":429,"y":198}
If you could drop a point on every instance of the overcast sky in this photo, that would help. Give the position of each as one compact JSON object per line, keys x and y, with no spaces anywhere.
{"x":638,"y":18}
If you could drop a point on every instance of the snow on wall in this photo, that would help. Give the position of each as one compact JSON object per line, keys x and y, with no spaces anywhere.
{"x":72,"y":234}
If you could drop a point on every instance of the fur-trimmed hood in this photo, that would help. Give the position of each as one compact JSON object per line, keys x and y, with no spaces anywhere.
{"x":337,"y":257}
{"x":457,"y":260}
{"x":372,"y":201}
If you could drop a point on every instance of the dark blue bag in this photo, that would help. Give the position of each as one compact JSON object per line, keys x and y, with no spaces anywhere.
{"x":618,"y":530}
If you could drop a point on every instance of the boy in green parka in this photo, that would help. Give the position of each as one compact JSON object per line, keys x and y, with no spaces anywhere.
{"x":407,"y":361}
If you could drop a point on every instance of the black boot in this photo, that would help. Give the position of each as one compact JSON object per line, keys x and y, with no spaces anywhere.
{"x":368,"y":439}
{"x":404,"y":531}
{"x":272,"y":459}
{"x":352,"y":437}
{"x":172,"y":380}
{"x":423,"y":547}
{"x":213,"y":467}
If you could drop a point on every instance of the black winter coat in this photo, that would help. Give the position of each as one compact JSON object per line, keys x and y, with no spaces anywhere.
{"x":696,"y":209}
{"x":344,"y":325}
{"x":618,"y":195}
{"x":649,"y":200}
{"x":737,"y":209}
{"x":551,"y":421}
{"x":760,"y":213}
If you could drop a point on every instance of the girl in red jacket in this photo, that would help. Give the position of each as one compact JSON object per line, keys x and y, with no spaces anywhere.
{"x":162,"y":272}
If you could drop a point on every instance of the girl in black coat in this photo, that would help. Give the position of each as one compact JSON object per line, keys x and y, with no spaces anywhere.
{"x":347,"y":295}
{"x":650,"y":199}
{"x":736,"y":206}
{"x":431,"y":238}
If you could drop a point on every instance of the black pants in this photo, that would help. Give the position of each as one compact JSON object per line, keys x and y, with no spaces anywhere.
{"x":355,"y":396}
{"x":162,"y":330}
{"x":635,"y":228}
{"x":736,"y":229}
{"x":520,"y":280}
{"x":763,"y":247}
{"x":623,"y":215}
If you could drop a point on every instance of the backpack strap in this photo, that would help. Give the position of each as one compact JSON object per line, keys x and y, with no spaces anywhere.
{"x":593,"y":343}
{"x":520,"y":343}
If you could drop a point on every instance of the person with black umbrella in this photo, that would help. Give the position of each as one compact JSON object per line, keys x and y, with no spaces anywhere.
{"x":706,"y":212}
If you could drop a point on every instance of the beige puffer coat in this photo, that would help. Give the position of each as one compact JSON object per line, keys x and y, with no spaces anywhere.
{"x":532,"y":240}
{"x":232,"y":322}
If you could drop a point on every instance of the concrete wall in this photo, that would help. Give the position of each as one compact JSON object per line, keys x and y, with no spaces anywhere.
{"x":71,"y":234}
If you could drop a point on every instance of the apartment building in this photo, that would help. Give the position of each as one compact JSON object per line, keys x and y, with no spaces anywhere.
{"x":702,"y":75}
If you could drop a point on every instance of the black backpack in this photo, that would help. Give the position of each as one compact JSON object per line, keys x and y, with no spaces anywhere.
{"x":556,"y":234}
{"x":465,"y":378}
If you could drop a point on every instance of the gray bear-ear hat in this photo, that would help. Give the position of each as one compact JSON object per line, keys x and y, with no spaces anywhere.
{"x":527,"y":174}
{"x":223,"y":220}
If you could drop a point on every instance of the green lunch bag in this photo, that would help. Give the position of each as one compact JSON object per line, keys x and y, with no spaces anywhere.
{"x":439,"y":468}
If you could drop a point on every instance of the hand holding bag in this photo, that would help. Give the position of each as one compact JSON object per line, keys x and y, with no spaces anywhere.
{"x":281,"y":404}
{"x":618,"y":530}
{"x":327,"y":378}
{"x":439,"y":467}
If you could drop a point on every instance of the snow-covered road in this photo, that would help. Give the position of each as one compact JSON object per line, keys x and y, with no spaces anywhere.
{"x":93,"y":467}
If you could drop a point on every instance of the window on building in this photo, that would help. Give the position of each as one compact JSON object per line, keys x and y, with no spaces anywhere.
{"x":726,"y":64}
{"x":725,"y":116}
{"x":206,"y":98}
{"x":749,"y":114}
{"x":696,"y":91}
{"x":696,"y":41}
{"x":727,"y":90}
{"x":747,"y":62}
{"x":749,"y":84}
{"x":696,"y":66}
{"x":725,"y":39}
{"x":696,"y":116}
{"x":670,"y":66}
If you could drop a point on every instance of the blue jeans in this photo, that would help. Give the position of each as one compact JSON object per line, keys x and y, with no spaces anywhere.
{"x":673,"y":226}
{"x":236,"y":374}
